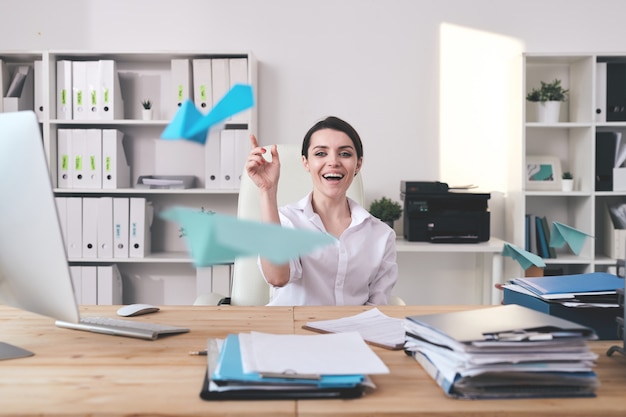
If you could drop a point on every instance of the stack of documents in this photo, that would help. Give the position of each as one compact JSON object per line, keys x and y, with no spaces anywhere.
{"x":252,"y":366}
{"x":503,"y":352}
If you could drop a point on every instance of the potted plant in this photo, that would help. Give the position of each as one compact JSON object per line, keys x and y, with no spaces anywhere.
{"x":548,"y":99}
{"x":386,"y":210}
{"x":147,"y":109}
{"x":567,"y":181}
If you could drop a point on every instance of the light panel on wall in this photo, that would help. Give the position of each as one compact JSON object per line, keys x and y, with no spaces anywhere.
{"x":480,"y":106}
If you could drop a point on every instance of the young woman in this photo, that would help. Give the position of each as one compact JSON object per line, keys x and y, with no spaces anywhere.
{"x":361,"y":267}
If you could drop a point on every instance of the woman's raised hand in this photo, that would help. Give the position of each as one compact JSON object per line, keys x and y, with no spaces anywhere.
{"x":263,"y":173}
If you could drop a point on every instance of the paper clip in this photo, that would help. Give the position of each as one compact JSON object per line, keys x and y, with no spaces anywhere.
{"x":289,"y":374}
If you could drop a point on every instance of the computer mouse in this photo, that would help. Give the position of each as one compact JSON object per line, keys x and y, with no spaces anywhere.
{"x":136,"y":310}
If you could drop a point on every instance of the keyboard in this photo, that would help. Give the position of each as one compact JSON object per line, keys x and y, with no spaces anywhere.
{"x":122,"y":327}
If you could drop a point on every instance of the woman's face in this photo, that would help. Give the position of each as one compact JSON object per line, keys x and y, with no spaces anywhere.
{"x":332,"y":162}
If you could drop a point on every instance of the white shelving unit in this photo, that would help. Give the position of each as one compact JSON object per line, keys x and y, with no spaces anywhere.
{"x":573,"y":140}
{"x":167,"y":275}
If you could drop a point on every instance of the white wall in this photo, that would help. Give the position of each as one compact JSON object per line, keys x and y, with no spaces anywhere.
{"x":376,"y":63}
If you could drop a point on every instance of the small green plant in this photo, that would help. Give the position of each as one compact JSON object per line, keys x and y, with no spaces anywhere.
{"x":548,"y":92}
{"x":147,"y":104}
{"x":386,"y":209}
{"x":567,"y":175}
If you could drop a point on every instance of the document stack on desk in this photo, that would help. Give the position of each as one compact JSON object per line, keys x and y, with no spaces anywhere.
{"x":254,"y":366}
{"x":503,"y":352}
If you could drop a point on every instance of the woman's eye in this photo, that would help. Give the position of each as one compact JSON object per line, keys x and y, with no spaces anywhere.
{"x":320,"y":153}
{"x":346,"y":154}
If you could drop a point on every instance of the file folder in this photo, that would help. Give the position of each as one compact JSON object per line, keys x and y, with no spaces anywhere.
{"x":109,"y":285}
{"x":141,"y":215}
{"x":76,"y":273}
{"x":238,"y":74}
{"x":65,"y":172}
{"x":600,"y":115}
{"x":89,"y":285}
{"x":121,"y":216}
{"x":90,"y":227}
{"x":116,"y":171}
{"x":79,"y":90}
{"x":202,"y":85}
{"x":227,"y":159}
{"x":212,"y":160}
{"x":242,"y":149}
{"x":74,"y":227}
{"x":64,"y":91}
{"x":39,"y":93}
{"x":181,"y":82}
{"x":110,"y":91}
{"x":105,"y":227}
{"x":20,"y":94}
{"x":93,"y":90}
{"x":80,"y":157}
{"x":92,"y":164}
{"x":61,"y":205}
{"x":221,"y":79}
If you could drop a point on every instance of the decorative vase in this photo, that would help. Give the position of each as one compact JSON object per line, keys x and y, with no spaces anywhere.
{"x":146,"y":114}
{"x":567,"y":184}
{"x":548,"y":111}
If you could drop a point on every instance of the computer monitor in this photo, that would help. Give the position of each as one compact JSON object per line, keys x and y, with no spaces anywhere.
{"x":34,"y":272}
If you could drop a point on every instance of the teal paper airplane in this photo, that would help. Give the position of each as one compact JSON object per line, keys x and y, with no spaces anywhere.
{"x":216,"y":238}
{"x":562,"y":234}
{"x":526,"y":259}
{"x":190,"y":124}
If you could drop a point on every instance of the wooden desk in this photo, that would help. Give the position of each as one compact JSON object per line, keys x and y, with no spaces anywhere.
{"x":76,"y":373}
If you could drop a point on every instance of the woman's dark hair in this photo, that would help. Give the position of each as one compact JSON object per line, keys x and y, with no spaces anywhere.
{"x":333,"y":123}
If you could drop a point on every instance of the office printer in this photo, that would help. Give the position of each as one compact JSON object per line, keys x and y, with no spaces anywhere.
{"x":433,"y":213}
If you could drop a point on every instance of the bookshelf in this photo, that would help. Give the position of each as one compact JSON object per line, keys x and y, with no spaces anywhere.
{"x":573,"y":141}
{"x":166,"y":275}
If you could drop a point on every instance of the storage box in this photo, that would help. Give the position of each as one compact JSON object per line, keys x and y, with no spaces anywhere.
{"x":619,"y":179}
{"x":602,"y":320}
{"x":614,"y":240}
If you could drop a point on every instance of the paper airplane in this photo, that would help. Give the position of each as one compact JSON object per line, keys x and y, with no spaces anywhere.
{"x":526,"y":259}
{"x":217,"y":238}
{"x":190,"y":124}
{"x":562,"y":234}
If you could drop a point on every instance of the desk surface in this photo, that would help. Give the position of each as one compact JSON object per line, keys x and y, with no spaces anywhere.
{"x":80,"y":373}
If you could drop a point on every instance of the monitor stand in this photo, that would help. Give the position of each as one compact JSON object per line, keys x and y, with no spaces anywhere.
{"x":8,"y":351}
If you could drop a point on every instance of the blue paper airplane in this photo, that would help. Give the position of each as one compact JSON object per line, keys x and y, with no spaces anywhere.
{"x":190,"y":124}
{"x":217,"y":238}
{"x":562,"y":234}
{"x":524,"y":258}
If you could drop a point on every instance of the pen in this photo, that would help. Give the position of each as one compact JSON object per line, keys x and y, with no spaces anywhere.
{"x":198,"y":353}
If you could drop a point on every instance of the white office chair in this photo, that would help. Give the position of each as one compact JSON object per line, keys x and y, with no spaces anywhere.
{"x":248,"y":286}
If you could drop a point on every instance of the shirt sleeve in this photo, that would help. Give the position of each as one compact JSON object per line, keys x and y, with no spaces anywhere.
{"x":386,"y":276}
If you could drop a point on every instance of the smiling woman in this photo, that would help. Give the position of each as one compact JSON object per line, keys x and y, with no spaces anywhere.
{"x":361,"y":267}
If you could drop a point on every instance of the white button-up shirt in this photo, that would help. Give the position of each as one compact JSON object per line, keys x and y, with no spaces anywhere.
{"x":359,"y":269}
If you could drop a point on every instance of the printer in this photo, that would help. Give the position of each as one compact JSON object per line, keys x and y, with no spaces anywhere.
{"x":434,"y":213}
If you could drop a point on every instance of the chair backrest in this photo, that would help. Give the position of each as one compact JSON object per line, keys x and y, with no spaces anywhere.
{"x":248,"y":287}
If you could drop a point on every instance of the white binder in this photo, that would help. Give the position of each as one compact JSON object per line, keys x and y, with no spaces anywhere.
{"x":238,"y":70}
{"x":112,"y":102}
{"x":109,"y":285}
{"x":600,"y":114}
{"x":61,"y":204}
{"x":121,"y":213}
{"x":79,"y":158}
{"x":64,"y":158}
{"x":212,"y":160}
{"x":79,"y":90}
{"x":221,"y":78}
{"x":20,"y":93}
{"x":202,"y":85}
{"x":89,"y":283}
{"x":74,"y":227}
{"x":92,"y":164}
{"x":105,"y":227}
{"x":227,"y":159}
{"x":64,"y":92}
{"x":76,"y":272}
{"x":181,"y":83}
{"x":93,"y":90}
{"x":243,"y":146}
{"x":115,"y":168}
{"x":141,"y":215}
{"x":90,"y":228}
{"x":39,"y":86}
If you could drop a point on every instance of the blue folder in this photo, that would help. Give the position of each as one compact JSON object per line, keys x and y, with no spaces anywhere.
{"x":567,"y":286}
{"x":229,"y":370}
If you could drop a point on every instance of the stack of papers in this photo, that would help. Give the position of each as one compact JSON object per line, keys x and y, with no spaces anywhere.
{"x":503,"y":352}
{"x":265,"y":366}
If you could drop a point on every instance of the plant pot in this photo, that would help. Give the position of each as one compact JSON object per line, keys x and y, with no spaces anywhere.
{"x":548,"y":111}
{"x":567,"y":185}
{"x":389,"y":223}
{"x":146,"y":114}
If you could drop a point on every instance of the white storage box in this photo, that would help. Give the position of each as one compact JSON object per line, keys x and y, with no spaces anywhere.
{"x":619,"y":179}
